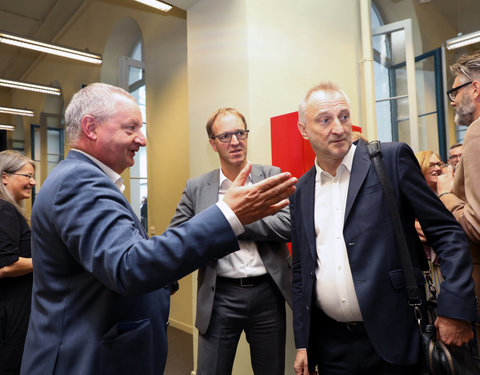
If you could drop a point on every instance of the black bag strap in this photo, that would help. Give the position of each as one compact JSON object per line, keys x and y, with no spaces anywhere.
{"x":373,"y":149}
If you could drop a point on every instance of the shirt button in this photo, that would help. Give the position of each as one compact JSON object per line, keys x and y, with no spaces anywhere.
{"x":343,"y":299}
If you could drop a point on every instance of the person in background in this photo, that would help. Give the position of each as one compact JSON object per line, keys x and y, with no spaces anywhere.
{"x":461,"y":193}
{"x":18,"y":180}
{"x":454,"y":154}
{"x":246,"y":290}
{"x":431,"y":167}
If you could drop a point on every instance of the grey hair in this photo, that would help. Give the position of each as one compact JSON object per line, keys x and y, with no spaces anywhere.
{"x":324,"y":86}
{"x":11,"y":162}
{"x":97,"y":100}
{"x":467,"y":66}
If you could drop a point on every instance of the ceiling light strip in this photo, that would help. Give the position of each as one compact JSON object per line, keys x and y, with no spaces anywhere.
{"x":71,"y":53}
{"x":30,"y":87}
{"x":16,"y":111}
{"x":164,"y":7}
{"x":463,"y":40}
{"x":7,"y":127}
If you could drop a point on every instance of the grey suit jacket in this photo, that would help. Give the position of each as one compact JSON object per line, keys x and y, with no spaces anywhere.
{"x":270,"y":234}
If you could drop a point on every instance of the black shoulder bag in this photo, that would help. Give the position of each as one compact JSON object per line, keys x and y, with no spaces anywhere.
{"x":437,"y":358}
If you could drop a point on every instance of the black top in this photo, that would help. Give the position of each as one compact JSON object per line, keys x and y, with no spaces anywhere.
{"x":15,"y":292}
{"x":14,"y":243}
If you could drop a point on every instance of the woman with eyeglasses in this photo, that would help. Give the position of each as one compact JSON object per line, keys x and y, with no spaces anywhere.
{"x":15,"y":258}
{"x":431,"y":166}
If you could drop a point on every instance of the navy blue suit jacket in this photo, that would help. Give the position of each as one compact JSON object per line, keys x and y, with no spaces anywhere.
{"x":373,"y":254}
{"x":100,"y":302}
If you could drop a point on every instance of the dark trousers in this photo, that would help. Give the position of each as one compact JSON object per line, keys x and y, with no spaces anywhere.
{"x":259,"y":311}
{"x":345,"y":349}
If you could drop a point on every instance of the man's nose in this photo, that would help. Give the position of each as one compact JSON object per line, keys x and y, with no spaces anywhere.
{"x":140,"y":139}
{"x":234,"y":140}
{"x":337,"y":127}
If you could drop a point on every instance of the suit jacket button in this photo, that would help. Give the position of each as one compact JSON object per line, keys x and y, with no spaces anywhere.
{"x":213,"y":289}
{"x":312,"y":275}
{"x":308,"y":308}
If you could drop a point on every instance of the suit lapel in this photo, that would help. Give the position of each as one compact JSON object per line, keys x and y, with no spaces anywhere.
{"x":307,"y":205}
{"x":257,"y":174}
{"x":210,"y":195}
{"x":361,"y":165}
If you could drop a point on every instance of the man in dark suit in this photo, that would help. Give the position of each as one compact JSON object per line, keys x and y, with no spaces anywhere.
{"x":245,"y":290}
{"x":351,"y":314}
{"x":101,"y":287}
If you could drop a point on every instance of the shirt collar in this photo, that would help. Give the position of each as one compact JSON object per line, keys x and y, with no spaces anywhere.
{"x":111,"y":174}
{"x":347,"y":163}
{"x":223,"y":178}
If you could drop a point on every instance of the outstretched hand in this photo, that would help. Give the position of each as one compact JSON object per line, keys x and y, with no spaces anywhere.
{"x":254,"y":202}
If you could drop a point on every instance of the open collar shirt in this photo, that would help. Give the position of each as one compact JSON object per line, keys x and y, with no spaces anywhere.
{"x":335,"y":291}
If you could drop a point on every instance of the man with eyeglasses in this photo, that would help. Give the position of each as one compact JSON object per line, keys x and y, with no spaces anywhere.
{"x":461,"y":193}
{"x":246,"y":290}
{"x":454,"y":154}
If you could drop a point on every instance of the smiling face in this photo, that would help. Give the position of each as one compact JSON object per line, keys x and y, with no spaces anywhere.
{"x":434,"y":170}
{"x":232,"y":154}
{"x":119,"y":137}
{"x":19,"y":186}
{"x":328,"y":128}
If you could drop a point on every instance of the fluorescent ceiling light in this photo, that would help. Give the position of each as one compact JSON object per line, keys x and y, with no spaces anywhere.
{"x":7,"y":127}
{"x":16,"y":111}
{"x":463,"y":40}
{"x":29,"y":87}
{"x":54,"y":49}
{"x":156,"y":4}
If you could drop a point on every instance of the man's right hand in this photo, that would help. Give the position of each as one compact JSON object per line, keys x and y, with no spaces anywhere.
{"x":267,"y":197}
{"x":301,"y":363}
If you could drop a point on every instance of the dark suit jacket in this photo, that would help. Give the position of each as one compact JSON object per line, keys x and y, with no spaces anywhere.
{"x":270,"y":234}
{"x":374,"y":257}
{"x":99,"y":302}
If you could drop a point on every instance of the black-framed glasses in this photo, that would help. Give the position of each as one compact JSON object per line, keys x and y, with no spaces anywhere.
{"x":29,"y":175}
{"x":438,"y":164}
{"x":227,"y":137}
{"x":452,"y":93}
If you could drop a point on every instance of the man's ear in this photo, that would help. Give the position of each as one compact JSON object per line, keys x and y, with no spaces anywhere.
{"x":302,"y":129}
{"x":476,"y":91}
{"x":89,"y":127}
{"x":212,"y":143}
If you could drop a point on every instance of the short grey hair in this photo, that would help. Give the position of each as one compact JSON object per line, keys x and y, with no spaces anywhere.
{"x":467,"y":66}
{"x":324,"y":86}
{"x":10,"y":162}
{"x":97,"y":100}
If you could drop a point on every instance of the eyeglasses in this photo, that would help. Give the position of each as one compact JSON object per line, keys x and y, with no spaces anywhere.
{"x":452,"y":93}
{"x":438,"y":164}
{"x":29,"y":176}
{"x":454,"y":157}
{"x":227,"y":137}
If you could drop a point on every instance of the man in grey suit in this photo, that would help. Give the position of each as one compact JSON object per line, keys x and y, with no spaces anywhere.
{"x":246,"y":290}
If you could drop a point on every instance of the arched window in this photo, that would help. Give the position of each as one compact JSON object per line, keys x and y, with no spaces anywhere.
{"x":132,"y":73}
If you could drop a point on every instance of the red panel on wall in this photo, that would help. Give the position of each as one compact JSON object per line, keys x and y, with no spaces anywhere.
{"x":290,"y":151}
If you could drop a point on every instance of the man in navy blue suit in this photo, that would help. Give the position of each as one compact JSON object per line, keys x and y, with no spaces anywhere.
{"x":101,"y":287}
{"x":351,"y":314}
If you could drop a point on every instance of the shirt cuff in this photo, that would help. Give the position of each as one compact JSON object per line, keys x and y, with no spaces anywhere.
{"x":232,"y":219}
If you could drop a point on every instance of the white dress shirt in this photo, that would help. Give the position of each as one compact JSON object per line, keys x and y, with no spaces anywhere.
{"x":334,"y":286}
{"x":246,"y":261}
